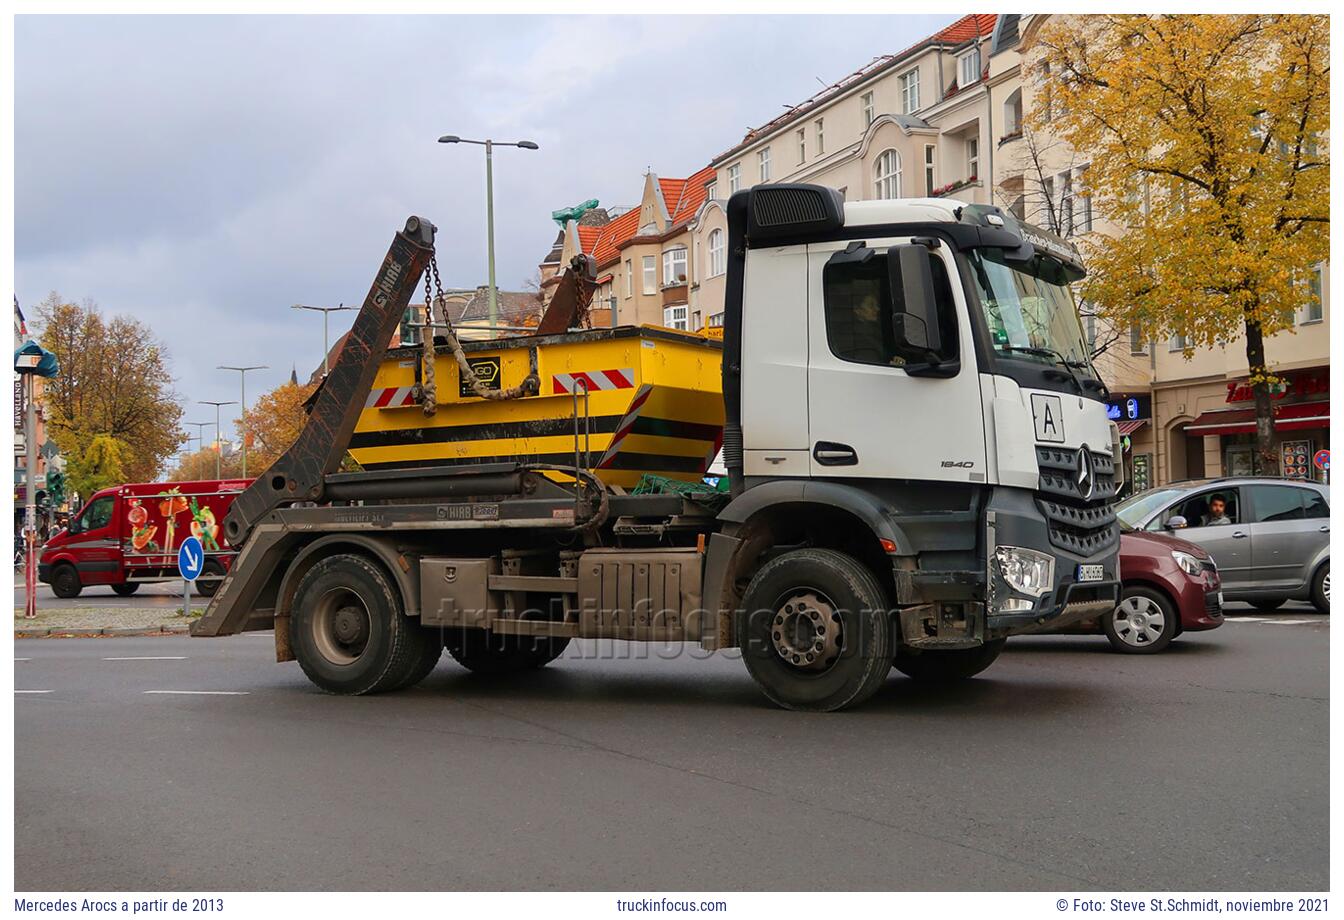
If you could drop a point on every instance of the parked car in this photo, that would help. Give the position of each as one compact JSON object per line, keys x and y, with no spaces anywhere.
{"x":1270,"y":537}
{"x":1168,"y":586}
{"x":128,"y":535}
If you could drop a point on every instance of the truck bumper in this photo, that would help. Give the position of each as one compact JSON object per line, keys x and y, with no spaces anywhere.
{"x":1018,"y":521}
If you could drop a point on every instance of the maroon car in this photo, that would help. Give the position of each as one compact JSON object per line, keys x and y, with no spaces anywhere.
{"x":1169,"y":586}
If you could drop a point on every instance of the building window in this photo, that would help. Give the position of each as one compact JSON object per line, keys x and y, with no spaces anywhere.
{"x":1137,"y":346}
{"x":1066,"y":204}
{"x":1178,"y":342}
{"x":1089,"y":324}
{"x":629,"y":279}
{"x":716,"y":262}
{"x":867,"y":109}
{"x":973,"y":156}
{"x":1314,"y":311}
{"x":802,"y":146}
{"x":763,"y":164}
{"x":970,"y":67}
{"x":821,"y":143}
{"x":910,"y":92}
{"x":1012,"y":115}
{"x":1082,"y":217}
{"x":930,"y":179}
{"x":710,"y":189}
{"x":734,"y":178}
{"x":674,"y":266}
{"x":1044,"y":98}
{"x":650,"y":275}
{"x":675,"y":317}
{"x":887,"y":174}
{"x":715,"y":320}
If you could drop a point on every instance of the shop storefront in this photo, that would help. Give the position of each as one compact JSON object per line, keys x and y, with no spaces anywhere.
{"x":1301,"y":426}
{"x":1132,"y":414}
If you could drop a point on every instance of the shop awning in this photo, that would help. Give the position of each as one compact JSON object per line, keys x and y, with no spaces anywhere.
{"x":1291,"y":417}
{"x":1129,"y":426}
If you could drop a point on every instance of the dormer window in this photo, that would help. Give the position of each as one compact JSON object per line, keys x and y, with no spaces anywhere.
{"x":969,"y":69}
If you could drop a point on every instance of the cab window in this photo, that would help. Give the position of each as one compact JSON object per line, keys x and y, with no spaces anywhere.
{"x":858,"y":305}
{"x":97,"y":515}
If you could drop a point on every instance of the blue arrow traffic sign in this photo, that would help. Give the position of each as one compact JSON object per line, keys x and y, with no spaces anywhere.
{"x":190,"y":558}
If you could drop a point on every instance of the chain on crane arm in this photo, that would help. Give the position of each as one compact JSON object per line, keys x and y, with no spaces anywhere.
{"x":529,"y":386}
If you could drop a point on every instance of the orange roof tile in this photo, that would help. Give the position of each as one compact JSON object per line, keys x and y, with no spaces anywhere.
{"x":683,"y":198}
{"x":966,"y":28}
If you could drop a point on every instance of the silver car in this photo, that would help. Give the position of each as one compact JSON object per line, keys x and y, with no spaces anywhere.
{"x":1271,"y":540}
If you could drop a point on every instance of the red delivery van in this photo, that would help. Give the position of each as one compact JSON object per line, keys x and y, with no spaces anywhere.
{"x":128,"y":535}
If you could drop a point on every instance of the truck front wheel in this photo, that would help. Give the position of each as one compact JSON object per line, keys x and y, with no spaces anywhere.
{"x":348,"y":631}
{"x":65,"y":581}
{"x":816,"y":631}
{"x":948,"y":664}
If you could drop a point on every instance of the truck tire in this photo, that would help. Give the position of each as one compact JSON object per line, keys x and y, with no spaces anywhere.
{"x":348,"y":631}
{"x":65,"y":581}
{"x":126,"y":588}
{"x":816,"y":631}
{"x":948,"y":664}
{"x":429,"y":659}
{"x":208,"y":588}
{"x":484,"y":652}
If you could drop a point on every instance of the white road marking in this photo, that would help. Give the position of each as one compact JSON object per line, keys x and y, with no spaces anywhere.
{"x":151,"y":658}
{"x":32,"y":691}
{"x":1289,"y":622}
{"x":1244,"y":620}
{"x":23,"y":659}
{"x":202,"y":692}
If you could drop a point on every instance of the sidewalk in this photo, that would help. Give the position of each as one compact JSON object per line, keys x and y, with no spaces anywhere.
{"x":101,"y":621}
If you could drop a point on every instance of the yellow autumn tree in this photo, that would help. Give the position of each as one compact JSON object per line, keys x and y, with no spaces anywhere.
{"x":1208,"y":140}
{"x":273,"y":423}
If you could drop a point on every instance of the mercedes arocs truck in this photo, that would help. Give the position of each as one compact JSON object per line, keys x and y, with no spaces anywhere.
{"x":919,"y":458}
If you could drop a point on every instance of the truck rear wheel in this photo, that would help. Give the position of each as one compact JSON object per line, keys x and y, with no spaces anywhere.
{"x":348,"y":631}
{"x":485,"y":652}
{"x":816,"y":631}
{"x":948,"y":664}
{"x":65,"y":581}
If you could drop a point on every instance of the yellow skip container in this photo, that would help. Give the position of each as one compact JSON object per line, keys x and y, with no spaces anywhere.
{"x":654,"y":405}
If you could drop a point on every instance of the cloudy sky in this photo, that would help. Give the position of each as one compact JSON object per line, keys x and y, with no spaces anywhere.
{"x":205,"y":172}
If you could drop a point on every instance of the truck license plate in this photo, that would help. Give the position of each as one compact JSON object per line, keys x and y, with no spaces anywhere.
{"x":1090,"y":572}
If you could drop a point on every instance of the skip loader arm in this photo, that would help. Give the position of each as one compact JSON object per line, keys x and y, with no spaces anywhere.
{"x":300,"y":472}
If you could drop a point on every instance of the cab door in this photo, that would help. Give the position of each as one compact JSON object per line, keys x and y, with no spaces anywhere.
{"x":94,"y":543}
{"x":867,"y":417}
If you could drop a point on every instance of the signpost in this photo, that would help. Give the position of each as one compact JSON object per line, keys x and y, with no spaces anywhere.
{"x":1322,"y":462}
{"x":190,"y":562}
{"x":30,"y":362}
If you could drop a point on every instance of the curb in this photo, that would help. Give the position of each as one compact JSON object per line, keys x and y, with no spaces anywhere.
{"x":75,"y":632}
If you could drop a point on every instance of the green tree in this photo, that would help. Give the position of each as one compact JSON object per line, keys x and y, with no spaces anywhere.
{"x":100,"y":465}
{"x":1208,"y":139}
{"x":114,"y":381}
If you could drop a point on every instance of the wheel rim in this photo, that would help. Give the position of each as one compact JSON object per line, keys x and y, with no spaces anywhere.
{"x":1325,"y":587}
{"x":805,"y":630}
{"x":1139,"y":621}
{"x":341,"y":626}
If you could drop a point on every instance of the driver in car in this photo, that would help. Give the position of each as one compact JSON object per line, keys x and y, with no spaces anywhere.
{"x":1217,"y":512}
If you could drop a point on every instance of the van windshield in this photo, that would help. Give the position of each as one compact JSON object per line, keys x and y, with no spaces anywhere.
{"x":1029,"y":310}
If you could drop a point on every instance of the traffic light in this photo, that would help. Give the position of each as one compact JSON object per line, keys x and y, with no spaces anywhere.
{"x":56,"y":488}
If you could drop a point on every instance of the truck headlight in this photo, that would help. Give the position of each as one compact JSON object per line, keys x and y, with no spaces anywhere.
{"x":1190,"y":564}
{"x":1026,"y":570}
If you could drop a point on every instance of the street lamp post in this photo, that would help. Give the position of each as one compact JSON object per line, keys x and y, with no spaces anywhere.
{"x":200,"y":434}
{"x":490,"y":146}
{"x":208,"y":402}
{"x":242,"y":406}
{"x":325,"y":311}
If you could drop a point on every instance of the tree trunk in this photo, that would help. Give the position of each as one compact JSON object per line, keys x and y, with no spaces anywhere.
{"x":1266,"y":461}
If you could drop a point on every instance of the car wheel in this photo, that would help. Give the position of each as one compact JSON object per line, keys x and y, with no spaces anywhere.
{"x":1144,"y":622}
{"x":126,"y":588}
{"x":816,"y":631}
{"x":1320,"y":588}
{"x":1268,"y":606}
{"x":65,"y":581}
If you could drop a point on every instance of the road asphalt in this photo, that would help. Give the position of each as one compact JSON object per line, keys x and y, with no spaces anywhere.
{"x":1065,"y":767}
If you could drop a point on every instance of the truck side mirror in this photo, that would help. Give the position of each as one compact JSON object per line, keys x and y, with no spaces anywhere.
{"x":913,"y":303}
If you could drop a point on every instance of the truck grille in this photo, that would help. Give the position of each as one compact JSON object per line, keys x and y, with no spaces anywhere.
{"x":1084,"y":526}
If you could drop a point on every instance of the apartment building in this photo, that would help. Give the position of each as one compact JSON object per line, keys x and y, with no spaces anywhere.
{"x":653,"y":261}
{"x":1187,"y":413}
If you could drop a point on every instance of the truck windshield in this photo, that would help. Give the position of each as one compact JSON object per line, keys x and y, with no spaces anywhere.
{"x":1029,"y":310}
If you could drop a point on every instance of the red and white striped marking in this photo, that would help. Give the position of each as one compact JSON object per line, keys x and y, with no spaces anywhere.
{"x":390,"y":398}
{"x":621,"y":378}
{"x":627,"y":422}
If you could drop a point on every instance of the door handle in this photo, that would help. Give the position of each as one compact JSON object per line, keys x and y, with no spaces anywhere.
{"x":829,"y":453}
{"x":1325,"y":528}
{"x":1238,"y":535}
